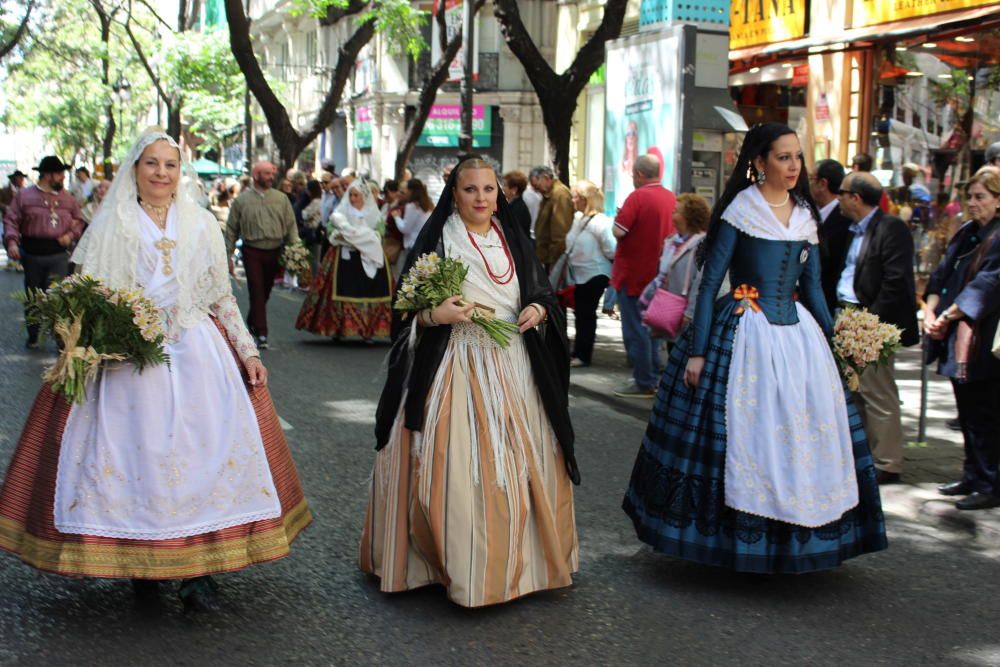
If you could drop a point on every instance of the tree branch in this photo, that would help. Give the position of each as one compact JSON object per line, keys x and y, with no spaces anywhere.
{"x":335,"y":14}
{"x":21,"y":29}
{"x":523,"y":47}
{"x":145,"y":61}
{"x":159,"y":19}
{"x":347,"y":56}
{"x":591,"y":55}
{"x":439,"y":17}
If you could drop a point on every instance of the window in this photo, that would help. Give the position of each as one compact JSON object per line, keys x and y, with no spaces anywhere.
{"x":284,"y":62}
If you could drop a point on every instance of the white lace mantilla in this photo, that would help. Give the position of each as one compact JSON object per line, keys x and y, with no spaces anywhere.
{"x":750,"y":213}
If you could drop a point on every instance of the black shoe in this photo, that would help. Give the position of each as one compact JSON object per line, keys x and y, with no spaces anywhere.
{"x":978,"y":501}
{"x":261,"y":342}
{"x":955,"y":489}
{"x":886,"y":477}
{"x":32,"y":344}
{"x":146,"y":590}
{"x":953,"y":424}
{"x":199,"y":595}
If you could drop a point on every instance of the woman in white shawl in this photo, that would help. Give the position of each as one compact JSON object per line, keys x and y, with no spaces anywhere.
{"x":180,"y":471}
{"x":351,"y":295}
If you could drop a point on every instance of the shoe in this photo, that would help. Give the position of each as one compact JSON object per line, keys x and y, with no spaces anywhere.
{"x":199,"y":595}
{"x":632,"y":390}
{"x":577,"y":363}
{"x":953,"y":424}
{"x":978,"y":501}
{"x":261,"y":342}
{"x":886,"y":477}
{"x":955,"y":489}
{"x":32,"y":344}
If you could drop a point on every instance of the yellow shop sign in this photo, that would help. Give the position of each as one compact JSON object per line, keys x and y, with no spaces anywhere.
{"x":874,"y":12}
{"x":753,"y":22}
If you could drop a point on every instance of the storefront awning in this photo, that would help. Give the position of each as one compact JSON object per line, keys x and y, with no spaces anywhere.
{"x":885,"y":31}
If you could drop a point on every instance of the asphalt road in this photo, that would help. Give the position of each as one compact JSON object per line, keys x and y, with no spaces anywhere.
{"x":930,"y":599}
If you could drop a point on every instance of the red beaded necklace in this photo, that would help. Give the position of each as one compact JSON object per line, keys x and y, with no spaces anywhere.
{"x":506,"y":276}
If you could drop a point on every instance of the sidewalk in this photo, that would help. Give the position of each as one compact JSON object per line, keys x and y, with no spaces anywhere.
{"x":927,"y":464}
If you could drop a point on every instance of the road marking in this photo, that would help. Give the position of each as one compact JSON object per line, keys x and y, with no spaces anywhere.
{"x":285,"y":426}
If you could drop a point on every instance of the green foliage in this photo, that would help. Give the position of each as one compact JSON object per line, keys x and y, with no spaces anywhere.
{"x":199,"y":69}
{"x":56,"y":85}
{"x":399,"y":21}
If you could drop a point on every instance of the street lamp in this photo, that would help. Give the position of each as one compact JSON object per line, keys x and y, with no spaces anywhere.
{"x":122,"y":90}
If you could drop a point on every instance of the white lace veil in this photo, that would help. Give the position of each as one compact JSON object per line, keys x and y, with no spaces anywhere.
{"x":109,"y":249}
{"x":369,"y":215}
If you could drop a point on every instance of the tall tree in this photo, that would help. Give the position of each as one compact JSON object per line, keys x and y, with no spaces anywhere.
{"x":290,"y":140}
{"x":558,"y":93}
{"x":187,"y":15}
{"x":106,"y":16}
{"x":432,"y":81}
{"x":7,"y":43}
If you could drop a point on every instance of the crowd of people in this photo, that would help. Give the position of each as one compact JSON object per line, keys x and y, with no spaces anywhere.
{"x":757,"y":457}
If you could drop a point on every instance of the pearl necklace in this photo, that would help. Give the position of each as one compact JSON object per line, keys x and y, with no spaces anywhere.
{"x":781,"y":203}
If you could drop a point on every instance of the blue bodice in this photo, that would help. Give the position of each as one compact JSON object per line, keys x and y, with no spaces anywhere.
{"x":773,"y":268}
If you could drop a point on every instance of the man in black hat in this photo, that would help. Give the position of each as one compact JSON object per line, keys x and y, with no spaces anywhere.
{"x":14,"y":185}
{"x":39,"y":226}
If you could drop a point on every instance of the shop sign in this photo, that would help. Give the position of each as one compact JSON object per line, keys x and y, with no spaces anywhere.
{"x":822,"y":108}
{"x":753,"y":22}
{"x":453,"y":24}
{"x":643,"y":112}
{"x":362,"y":127}
{"x":444,"y":125}
{"x":800,"y":75}
{"x":874,"y":12}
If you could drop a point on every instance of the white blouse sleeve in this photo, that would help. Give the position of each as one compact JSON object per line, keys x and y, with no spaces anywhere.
{"x":227,"y":311}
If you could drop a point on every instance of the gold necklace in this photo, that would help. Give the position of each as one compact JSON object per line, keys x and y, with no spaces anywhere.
{"x":158,"y":214}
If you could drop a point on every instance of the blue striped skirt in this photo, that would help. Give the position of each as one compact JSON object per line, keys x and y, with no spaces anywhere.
{"x":676,"y":497}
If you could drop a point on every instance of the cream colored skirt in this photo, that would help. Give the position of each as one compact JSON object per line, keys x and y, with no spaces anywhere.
{"x":480,"y":501}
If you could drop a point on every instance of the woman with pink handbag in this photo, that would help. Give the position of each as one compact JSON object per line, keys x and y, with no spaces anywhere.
{"x":667,"y":303}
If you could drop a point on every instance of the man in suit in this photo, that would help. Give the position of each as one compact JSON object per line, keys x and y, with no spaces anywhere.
{"x":825,"y":180}
{"x":877,"y":274}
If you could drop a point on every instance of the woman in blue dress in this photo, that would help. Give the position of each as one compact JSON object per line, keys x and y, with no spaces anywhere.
{"x":754,"y":458}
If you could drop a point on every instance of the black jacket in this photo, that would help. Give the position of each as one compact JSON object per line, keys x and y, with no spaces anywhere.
{"x":521,"y":216}
{"x":883,"y":278}
{"x":834,"y":240}
{"x":548,"y":351}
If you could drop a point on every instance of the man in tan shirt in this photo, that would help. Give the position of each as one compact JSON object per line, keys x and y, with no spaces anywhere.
{"x":555,"y":217}
{"x":264,"y":219}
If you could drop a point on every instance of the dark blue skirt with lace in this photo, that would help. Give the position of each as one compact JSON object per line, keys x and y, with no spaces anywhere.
{"x":676,"y":497}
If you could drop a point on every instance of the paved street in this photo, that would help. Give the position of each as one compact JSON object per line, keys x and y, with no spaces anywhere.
{"x":929,"y":599}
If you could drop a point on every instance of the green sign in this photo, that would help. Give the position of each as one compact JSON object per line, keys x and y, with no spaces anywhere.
{"x":362,"y":127}
{"x":444,"y":125}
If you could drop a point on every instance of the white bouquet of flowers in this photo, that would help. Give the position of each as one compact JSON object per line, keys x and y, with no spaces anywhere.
{"x":861,"y":339}
{"x":433,"y":279}
{"x":297,"y":260}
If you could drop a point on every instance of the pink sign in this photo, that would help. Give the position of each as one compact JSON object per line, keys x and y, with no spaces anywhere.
{"x":454,"y":112}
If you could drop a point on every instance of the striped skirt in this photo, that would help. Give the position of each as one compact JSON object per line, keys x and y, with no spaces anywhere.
{"x":27,"y":526}
{"x":480,"y":501}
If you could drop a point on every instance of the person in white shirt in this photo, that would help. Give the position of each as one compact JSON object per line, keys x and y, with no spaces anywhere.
{"x":415,"y":213}
{"x":590,"y":247}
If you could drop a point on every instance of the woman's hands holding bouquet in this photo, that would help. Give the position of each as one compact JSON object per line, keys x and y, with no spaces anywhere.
{"x":451,"y":311}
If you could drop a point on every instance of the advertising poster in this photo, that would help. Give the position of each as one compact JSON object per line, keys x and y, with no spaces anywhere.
{"x":453,"y":24}
{"x":642,"y":111}
{"x":444,"y":126}
{"x":362,"y":127}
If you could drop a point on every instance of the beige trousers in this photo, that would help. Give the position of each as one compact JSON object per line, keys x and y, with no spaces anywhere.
{"x":878,"y":403}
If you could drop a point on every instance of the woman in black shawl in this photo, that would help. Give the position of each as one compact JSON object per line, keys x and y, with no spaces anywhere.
{"x":472,"y":482}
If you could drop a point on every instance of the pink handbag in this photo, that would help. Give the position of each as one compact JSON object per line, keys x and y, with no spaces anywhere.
{"x":666,"y":310}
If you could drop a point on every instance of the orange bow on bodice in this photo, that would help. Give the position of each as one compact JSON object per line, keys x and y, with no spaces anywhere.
{"x":747,"y":295}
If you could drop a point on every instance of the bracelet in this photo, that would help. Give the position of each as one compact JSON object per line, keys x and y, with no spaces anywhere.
{"x":428,"y":319}
{"x":541,"y":311}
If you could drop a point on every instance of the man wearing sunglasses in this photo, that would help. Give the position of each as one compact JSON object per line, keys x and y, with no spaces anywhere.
{"x":877,"y":274}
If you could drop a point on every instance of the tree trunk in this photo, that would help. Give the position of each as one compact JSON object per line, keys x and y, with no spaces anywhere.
{"x":174,"y":120}
{"x":287,"y":138}
{"x":558,"y":93}
{"x":110,"y":128}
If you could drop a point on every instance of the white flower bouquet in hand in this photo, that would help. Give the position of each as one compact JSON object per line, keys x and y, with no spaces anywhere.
{"x":432,"y":280}
{"x":297,"y":260}
{"x":861,"y":339}
{"x":94,"y":324}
